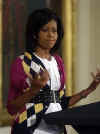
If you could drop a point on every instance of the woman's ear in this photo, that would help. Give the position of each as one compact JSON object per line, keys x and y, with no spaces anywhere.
{"x":34,"y":36}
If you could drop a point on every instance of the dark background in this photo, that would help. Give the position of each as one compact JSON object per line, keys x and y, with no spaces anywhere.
{"x":15,"y":13}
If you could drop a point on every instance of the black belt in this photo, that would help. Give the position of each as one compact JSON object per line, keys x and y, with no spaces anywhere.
{"x":49,"y":96}
{"x":54,"y":96}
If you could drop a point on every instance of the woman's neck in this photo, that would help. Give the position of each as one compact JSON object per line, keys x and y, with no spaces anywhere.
{"x":43,"y":53}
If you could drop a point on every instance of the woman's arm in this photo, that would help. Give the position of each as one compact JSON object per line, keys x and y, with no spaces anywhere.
{"x":84,"y":93}
{"x":18,"y":93}
{"x":16,"y":104}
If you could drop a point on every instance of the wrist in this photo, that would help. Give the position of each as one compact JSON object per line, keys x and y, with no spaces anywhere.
{"x":83,"y":94}
{"x":93,"y":86}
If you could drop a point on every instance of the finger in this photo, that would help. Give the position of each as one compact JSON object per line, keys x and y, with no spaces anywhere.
{"x":98,"y":68}
{"x":93,"y":75}
{"x":29,"y":76}
{"x":95,"y":78}
{"x":98,"y":78}
{"x":38,"y":76}
{"x":45,"y":74}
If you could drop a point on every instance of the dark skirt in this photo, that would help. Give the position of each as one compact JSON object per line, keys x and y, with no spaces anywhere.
{"x":85,"y":119}
{"x":20,"y":129}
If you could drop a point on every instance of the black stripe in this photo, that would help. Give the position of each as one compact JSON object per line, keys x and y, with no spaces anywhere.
{"x":37,"y":60}
{"x":32,"y":72}
{"x":30,"y":112}
{"x":27,"y":61}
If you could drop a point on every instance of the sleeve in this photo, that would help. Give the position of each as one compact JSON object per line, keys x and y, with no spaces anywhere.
{"x":17,"y":83}
{"x":61,"y":70}
{"x":64,"y":99}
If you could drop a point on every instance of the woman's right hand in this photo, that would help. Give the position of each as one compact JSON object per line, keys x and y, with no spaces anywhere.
{"x":39,"y":81}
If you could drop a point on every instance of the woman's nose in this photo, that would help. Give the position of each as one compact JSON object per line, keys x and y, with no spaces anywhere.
{"x":50,"y":33}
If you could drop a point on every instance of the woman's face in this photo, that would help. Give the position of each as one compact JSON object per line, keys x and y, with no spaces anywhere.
{"x":48,"y":35}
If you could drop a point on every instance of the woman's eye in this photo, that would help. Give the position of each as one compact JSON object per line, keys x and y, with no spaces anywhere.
{"x":44,"y":30}
{"x":47,"y":30}
{"x":54,"y":30}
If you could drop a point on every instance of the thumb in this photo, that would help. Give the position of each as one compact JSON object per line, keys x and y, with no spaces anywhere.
{"x":93,"y":75}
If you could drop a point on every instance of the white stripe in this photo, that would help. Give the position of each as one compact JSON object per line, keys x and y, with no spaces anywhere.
{"x":31,"y":120}
{"x":28,"y":105}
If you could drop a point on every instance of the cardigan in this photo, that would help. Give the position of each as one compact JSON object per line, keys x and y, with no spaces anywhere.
{"x":18,"y":86}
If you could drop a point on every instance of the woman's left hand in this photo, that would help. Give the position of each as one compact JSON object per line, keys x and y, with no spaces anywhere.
{"x":84,"y":93}
{"x":96,"y":76}
{"x":96,"y":79}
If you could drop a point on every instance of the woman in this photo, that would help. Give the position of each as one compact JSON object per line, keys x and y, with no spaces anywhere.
{"x":37,"y":81}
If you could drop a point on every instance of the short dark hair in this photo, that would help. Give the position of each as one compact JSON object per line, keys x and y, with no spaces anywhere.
{"x":36,"y":20}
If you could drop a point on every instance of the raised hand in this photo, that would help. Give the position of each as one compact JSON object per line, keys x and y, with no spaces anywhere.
{"x":93,"y":85}
{"x":96,"y":76}
{"x":39,"y":80}
{"x":96,"y":79}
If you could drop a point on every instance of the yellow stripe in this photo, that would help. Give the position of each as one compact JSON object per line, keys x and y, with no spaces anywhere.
{"x":38,"y":107}
{"x":27,"y":89}
{"x":61,"y":93}
{"x":22,"y":117}
{"x":41,"y":67}
{"x":26,"y":67}
{"x":28,"y":55}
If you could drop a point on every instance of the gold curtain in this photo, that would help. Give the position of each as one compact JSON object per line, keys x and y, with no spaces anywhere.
{"x":5,"y":118}
{"x":68,"y":43}
{"x":0,"y":54}
{"x":12,"y":40}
